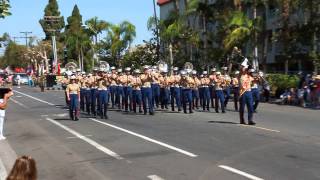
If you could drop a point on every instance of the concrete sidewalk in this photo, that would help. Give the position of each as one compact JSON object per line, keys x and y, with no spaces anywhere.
{"x":7,"y":158}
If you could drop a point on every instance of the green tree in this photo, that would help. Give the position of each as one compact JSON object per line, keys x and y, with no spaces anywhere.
{"x":78,"y":42}
{"x":119,"y":39}
{"x":52,"y":9}
{"x":4,"y":8}
{"x":14,"y":56}
{"x":96,"y":27}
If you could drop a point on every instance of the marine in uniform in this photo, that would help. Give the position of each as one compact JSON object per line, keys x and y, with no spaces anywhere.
{"x":127,"y":88}
{"x":146,"y":79}
{"x":155,"y":85}
{"x":113,"y":86}
{"x":73,"y":95}
{"x":227,"y":88}
{"x":175,"y":90}
{"x":82,"y":81}
{"x":245,"y":82}
{"x":87,"y":91}
{"x":103,"y":84}
{"x":195,"y":90}
{"x":164,"y":89}
{"x":205,"y":91}
{"x":186,"y":83}
{"x":255,"y":89}
{"x":120,"y":92}
{"x":94,"y":92}
{"x":136,"y":93}
{"x":219,"y":86}
{"x":212,"y":78}
{"x":235,"y":86}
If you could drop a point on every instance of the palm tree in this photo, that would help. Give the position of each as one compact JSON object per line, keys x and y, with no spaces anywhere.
{"x":119,"y":38}
{"x":96,"y":27}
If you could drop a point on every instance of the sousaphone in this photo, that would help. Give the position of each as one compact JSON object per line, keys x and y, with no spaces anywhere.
{"x":188,"y":66}
{"x":71,"y":66}
{"x":104,"y":65}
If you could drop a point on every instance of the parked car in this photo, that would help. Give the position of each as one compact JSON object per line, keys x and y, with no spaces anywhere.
{"x":24,"y":79}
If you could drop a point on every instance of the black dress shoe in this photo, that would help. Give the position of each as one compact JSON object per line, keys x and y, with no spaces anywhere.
{"x":151,"y":113}
{"x":223,"y":112}
{"x":76,"y":119}
{"x":145,"y":113}
{"x":217,"y":112}
{"x":191,"y":112}
{"x":252,"y":123}
{"x":106,"y":117}
{"x":242,"y":122}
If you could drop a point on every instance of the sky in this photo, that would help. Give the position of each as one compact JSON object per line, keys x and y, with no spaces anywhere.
{"x":26,"y":14}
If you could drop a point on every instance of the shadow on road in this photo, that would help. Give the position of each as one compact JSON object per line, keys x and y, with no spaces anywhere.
{"x":222,"y":122}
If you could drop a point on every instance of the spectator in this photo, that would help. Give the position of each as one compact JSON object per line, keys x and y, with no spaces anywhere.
{"x":23,"y":169}
{"x":3,"y":106}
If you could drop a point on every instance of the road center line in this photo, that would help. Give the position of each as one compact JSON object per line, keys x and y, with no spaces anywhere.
{"x":257,"y":127}
{"x":72,"y":137}
{"x":88,"y":140}
{"x":17,"y":102}
{"x":147,"y":138}
{"x":34,"y":98}
{"x":236,"y":171}
{"x":3,"y":172}
{"x":155,"y":177}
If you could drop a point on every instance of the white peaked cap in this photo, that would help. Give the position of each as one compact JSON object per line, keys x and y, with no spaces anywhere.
{"x":176,"y":69}
{"x":119,"y":70}
{"x":73,"y":77}
{"x":146,"y":67}
{"x":237,"y":72}
{"x":213,"y":70}
{"x":183,"y":72}
{"x":205,"y":72}
{"x":113,"y":68}
{"x":218,"y":73}
{"x":251,"y":70}
{"x":137,"y":71}
{"x":128,"y":69}
{"x":194,"y":72}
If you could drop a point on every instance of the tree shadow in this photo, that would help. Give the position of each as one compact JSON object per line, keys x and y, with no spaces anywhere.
{"x":222,"y":122}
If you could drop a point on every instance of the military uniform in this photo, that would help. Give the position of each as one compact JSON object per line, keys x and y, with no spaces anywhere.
{"x":195,"y":90}
{"x":146,"y":90}
{"x":219,"y":86}
{"x":164,"y":90}
{"x":212,"y":78}
{"x":205,"y":91}
{"x":113,"y":86}
{"x":245,"y":82}
{"x":175,"y":90}
{"x":155,"y":85}
{"x":227,"y":89}
{"x":235,"y":86}
{"x":186,"y":83}
{"x":136,"y":93}
{"x":127,"y":88}
{"x":120,"y":92}
{"x":103,"y":96}
{"x":73,"y":94}
{"x":255,"y":89}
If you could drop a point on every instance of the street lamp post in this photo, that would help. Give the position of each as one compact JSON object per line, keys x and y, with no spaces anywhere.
{"x":157,"y":30}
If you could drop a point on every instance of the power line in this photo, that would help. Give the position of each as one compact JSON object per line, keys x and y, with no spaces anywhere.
{"x":26,"y":36}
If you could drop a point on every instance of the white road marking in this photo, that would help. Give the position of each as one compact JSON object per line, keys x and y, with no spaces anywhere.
{"x":88,"y":140}
{"x":3,"y":172}
{"x":155,"y":177}
{"x":34,"y":98}
{"x":147,"y":138}
{"x":61,"y":115}
{"x":77,"y":137}
{"x":257,"y":127}
{"x":18,"y":96}
{"x":17,"y":102}
{"x":236,"y":171}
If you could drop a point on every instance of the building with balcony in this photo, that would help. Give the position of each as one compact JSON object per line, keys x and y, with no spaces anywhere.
{"x":271,"y":49}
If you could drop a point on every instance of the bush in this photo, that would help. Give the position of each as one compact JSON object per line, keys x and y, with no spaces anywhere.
{"x":280,"y":82}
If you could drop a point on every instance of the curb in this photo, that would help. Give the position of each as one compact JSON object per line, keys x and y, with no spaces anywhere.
{"x":7,"y":158}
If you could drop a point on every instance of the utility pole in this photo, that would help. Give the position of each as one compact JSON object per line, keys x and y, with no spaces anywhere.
{"x":157,"y":30}
{"x":26,"y":36}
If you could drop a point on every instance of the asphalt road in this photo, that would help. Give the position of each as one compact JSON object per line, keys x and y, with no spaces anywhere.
{"x":285,"y":144}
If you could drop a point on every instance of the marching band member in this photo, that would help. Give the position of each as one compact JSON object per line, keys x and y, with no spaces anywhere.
{"x":136,"y":93}
{"x":88,"y":93}
{"x":103,"y":84}
{"x":155,"y":85}
{"x":164,"y":89}
{"x":195,"y":90}
{"x":219,"y":86}
{"x":205,"y":82}
{"x":146,"y":79}
{"x":127,"y":88}
{"x":235,"y":85}
{"x":113,"y":85}
{"x":255,"y":89}
{"x":82,"y":81}
{"x":186,"y":83}
{"x":245,"y":82}
{"x":212,"y":78}
{"x":226,"y":89}
{"x":120,"y":92}
{"x":73,"y":95}
{"x":175,"y":89}
{"x":94,"y":92}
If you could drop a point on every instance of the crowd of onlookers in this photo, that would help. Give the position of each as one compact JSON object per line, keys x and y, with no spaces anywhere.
{"x":306,"y":94}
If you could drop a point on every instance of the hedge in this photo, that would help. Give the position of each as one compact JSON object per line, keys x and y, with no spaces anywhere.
{"x":280,"y":82}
